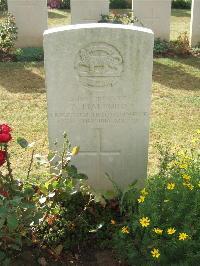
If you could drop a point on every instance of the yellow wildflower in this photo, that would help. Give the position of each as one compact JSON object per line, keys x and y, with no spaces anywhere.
{"x":155,"y":253}
{"x":141,"y":199}
{"x":186,"y":177}
{"x":183,"y":165}
{"x":145,"y":221}
{"x":75,"y":150}
{"x":188,"y":185}
{"x":158,"y":231}
{"x":170,"y":186}
{"x":144,"y":192}
{"x":183,"y":236}
{"x":198,"y":131}
{"x":194,"y":140}
{"x":171,"y":231}
{"x":125,"y":230}
{"x":113,"y":222}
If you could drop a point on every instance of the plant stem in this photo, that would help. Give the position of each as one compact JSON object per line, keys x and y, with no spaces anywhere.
{"x":8,"y":164}
{"x":31,"y":163}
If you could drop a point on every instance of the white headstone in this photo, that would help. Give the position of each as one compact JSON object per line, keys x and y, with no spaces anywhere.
{"x":195,"y":23}
{"x":154,"y":14}
{"x":88,"y":11}
{"x":98,"y":79}
{"x":31,"y":19}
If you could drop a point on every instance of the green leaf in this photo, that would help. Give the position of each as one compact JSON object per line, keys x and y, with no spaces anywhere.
{"x":12,"y":222}
{"x":72,"y":171}
{"x":3,"y":212}
{"x":2,"y":221}
{"x":22,"y":142}
{"x":2,"y":256}
{"x":80,"y":176}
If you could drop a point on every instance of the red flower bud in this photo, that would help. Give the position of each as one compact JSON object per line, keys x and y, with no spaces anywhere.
{"x":4,"y":128}
{"x":2,"y":157}
{"x":4,"y":193}
{"x":5,"y":137}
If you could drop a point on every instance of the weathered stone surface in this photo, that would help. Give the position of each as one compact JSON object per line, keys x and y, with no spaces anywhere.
{"x":88,"y":11}
{"x":31,"y":19}
{"x":98,"y":79}
{"x":195,"y":23}
{"x":154,"y":14}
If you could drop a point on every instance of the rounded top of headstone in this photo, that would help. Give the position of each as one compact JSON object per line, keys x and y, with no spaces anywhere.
{"x":98,"y":26}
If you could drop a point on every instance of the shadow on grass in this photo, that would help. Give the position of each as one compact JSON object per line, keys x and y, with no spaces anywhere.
{"x":181,"y":13}
{"x":190,"y":61}
{"x":17,"y":79}
{"x":55,"y":15}
{"x":174,"y":77}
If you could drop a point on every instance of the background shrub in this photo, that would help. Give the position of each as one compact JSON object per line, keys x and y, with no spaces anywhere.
{"x":118,"y":4}
{"x":3,"y":5}
{"x":63,"y":4}
{"x":29,"y":54}
{"x":8,"y":34}
{"x":182,"y":4}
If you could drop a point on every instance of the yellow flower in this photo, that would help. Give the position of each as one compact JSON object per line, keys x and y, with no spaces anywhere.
{"x":158,"y":231}
{"x":183,"y":166}
{"x":170,"y":186}
{"x":144,"y":192}
{"x":75,"y":150}
{"x":171,"y":231}
{"x":186,"y":177}
{"x":141,"y":199}
{"x":183,"y":236}
{"x":113,"y":222}
{"x":198,"y":131}
{"x":145,"y":221}
{"x":194,"y":140}
{"x":125,"y":230}
{"x":188,"y":185}
{"x":155,"y":253}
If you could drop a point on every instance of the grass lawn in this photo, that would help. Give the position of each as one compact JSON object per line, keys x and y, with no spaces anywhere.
{"x":175,"y":100}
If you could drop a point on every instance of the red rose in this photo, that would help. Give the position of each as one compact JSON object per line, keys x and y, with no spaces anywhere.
{"x":5,"y":129}
{"x":5,"y":137}
{"x":2,"y":157}
{"x":4,"y":193}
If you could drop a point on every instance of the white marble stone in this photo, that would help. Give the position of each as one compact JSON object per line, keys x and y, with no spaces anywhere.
{"x":195,"y":23}
{"x":154,"y":14}
{"x":98,"y":79}
{"x":88,"y":11}
{"x":31,"y":19}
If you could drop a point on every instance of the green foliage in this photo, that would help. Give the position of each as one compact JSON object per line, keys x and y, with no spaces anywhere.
{"x":161,"y":47}
{"x":182,"y":4}
{"x":179,"y":47}
{"x":119,"y":4}
{"x":162,"y":224}
{"x":75,"y":216}
{"x":3,"y":5}
{"x":19,"y":211}
{"x":8,"y":34}
{"x":29,"y":54}
{"x":115,"y":18}
{"x":65,"y":4}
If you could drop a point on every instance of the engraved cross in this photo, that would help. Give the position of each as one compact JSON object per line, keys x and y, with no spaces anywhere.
{"x":99,"y":153}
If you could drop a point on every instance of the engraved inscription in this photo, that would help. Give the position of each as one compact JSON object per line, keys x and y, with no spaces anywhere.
{"x":99,"y":65}
{"x":102,"y":111}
